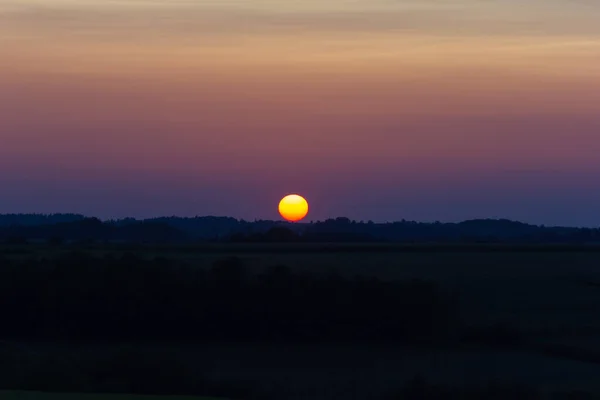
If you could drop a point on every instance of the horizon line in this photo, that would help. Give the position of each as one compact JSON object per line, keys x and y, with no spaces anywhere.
{"x":304,"y":222}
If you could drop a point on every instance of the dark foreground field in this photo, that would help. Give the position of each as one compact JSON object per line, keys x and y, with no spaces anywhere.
{"x":23,"y":395}
{"x":302,"y":322}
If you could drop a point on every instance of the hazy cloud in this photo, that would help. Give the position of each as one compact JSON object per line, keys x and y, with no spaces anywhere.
{"x":230,"y":18}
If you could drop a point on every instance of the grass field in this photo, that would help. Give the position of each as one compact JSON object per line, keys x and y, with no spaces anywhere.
{"x":17,"y":395}
{"x":551,"y":288}
{"x":550,"y":293}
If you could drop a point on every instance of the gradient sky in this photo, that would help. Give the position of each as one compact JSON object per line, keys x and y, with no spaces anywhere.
{"x":372,"y":109}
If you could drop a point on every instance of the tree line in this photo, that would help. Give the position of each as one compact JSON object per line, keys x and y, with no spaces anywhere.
{"x":68,"y":228}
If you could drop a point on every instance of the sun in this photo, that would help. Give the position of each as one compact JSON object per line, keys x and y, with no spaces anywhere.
{"x":293,"y":207}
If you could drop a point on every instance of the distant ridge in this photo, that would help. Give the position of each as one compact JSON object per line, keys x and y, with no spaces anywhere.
{"x":73,"y":227}
{"x":37,"y":219}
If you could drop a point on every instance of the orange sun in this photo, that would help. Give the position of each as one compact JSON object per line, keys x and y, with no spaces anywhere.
{"x":293,"y":207}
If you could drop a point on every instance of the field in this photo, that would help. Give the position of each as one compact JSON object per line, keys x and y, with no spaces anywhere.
{"x":14,"y":395}
{"x":548,"y":289}
{"x":549,"y":295}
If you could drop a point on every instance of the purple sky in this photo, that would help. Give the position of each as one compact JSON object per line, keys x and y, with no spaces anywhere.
{"x":371,"y":109}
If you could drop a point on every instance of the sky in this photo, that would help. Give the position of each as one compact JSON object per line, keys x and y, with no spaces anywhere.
{"x":372,"y":109}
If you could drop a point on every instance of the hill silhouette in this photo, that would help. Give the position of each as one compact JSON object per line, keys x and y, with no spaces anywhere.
{"x":59,"y":228}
